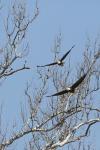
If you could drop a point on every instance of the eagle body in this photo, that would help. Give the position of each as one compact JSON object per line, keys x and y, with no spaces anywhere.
{"x":72,"y":88}
{"x":60,"y":61}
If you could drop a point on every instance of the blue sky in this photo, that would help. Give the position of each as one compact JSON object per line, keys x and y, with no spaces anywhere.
{"x":76,"y":20}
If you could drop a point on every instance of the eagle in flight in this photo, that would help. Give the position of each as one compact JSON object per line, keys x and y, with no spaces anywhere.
{"x":72,"y":88}
{"x":60,"y":61}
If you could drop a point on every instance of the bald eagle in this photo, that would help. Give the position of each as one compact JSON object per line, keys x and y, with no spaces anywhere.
{"x":72,"y":88}
{"x":60,"y":61}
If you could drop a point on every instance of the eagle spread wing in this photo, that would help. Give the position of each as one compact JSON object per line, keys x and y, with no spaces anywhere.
{"x":60,"y":93}
{"x":78,"y":82}
{"x":64,"y":56}
{"x":51,"y":64}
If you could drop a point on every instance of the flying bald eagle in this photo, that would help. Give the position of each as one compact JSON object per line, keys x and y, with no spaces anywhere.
{"x":60,"y":61}
{"x":72,"y":88}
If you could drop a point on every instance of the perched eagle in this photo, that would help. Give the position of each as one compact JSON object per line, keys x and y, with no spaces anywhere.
{"x":72,"y":88}
{"x":60,"y":61}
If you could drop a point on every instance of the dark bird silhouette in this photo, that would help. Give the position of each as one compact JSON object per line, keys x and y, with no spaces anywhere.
{"x":72,"y":88}
{"x":60,"y":61}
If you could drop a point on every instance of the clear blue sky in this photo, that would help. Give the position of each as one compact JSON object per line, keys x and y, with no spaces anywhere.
{"x":76,"y":20}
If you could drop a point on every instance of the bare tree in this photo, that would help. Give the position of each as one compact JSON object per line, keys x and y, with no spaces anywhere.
{"x":15,"y":47}
{"x":52,"y":122}
{"x":16,"y":25}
